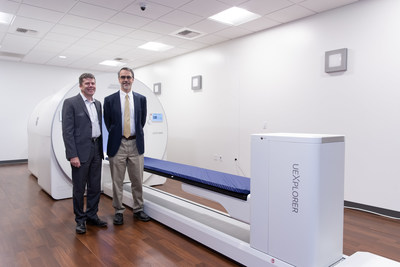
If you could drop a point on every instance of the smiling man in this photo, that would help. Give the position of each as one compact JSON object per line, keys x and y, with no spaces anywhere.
{"x":81,"y":127}
{"x":125,"y":115}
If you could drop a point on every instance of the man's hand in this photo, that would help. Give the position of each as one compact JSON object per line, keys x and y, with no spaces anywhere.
{"x":75,"y":162}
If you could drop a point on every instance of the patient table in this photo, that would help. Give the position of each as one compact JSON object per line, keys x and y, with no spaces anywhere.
{"x":293,"y":216}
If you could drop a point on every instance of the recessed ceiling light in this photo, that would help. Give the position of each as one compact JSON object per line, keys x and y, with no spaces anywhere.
{"x":62,"y":57}
{"x":112,"y":63}
{"x":6,"y":18}
{"x":154,"y":46}
{"x":235,"y":16}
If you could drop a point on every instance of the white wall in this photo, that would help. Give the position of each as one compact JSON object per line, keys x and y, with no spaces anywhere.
{"x":22,"y":87}
{"x":276,"y":79}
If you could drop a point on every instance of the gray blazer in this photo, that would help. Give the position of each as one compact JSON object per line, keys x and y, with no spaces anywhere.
{"x":77,"y":128}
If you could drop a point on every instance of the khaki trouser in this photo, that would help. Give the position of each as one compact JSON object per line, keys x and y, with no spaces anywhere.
{"x":127,"y":157}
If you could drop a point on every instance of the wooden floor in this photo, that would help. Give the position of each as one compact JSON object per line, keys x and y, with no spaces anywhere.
{"x":36,"y":230}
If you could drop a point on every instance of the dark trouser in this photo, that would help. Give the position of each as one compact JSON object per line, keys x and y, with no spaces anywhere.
{"x":88,"y":174}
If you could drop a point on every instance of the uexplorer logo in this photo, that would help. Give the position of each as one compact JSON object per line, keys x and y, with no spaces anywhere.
{"x":295,"y":187}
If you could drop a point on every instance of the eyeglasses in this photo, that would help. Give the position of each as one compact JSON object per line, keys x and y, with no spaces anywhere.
{"x":125,"y":77}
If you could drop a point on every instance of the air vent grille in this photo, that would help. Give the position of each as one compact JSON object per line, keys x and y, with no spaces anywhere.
{"x":187,"y":34}
{"x":11,"y":56}
{"x":26,"y":31}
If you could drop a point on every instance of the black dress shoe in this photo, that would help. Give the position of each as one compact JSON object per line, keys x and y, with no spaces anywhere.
{"x":96,"y":222}
{"x":80,"y":228}
{"x":141,"y":216}
{"x":118,"y":219}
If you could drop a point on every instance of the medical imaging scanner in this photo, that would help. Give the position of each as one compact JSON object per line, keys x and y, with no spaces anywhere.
{"x":290,"y":213}
{"x":46,"y":151}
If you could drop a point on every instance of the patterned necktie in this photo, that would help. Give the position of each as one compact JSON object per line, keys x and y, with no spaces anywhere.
{"x":127,"y":118}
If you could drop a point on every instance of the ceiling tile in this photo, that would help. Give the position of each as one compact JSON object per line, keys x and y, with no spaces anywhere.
{"x":259,"y":24}
{"x":8,"y":6}
{"x":233,"y":32}
{"x":54,"y":46}
{"x":153,"y":10}
{"x":38,"y":57}
{"x":160,"y":27}
{"x":87,"y":45}
{"x":77,"y":51}
{"x":144,"y":35}
{"x":136,"y":53}
{"x":263,"y":7}
{"x":39,"y":13}
{"x":208,"y":26}
{"x":322,"y":5}
{"x":233,"y":2}
{"x":62,"y":6}
{"x":103,"y":37}
{"x":84,"y":62}
{"x":3,"y":28}
{"x":129,"y":20}
{"x":111,"y":51}
{"x":114,"y":4}
{"x":114,"y":29}
{"x":79,"y":22}
{"x":69,"y":30}
{"x":204,"y":8}
{"x":171,"y":3}
{"x":291,"y":13}
{"x":18,"y":44}
{"x":67,"y":39}
{"x":41,"y":27}
{"x":170,"y":40}
{"x":63,"y":62}
{"x":180,"y":18}
{"x":192,"y":45}
{"x":92,"y":11}
{"x":211,"y":39}
{"x":131,"y":42}
{"x":180,"y":50}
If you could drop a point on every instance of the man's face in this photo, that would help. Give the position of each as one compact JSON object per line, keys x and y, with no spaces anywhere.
{"x":88,"y":87}
{"x":126,"y":80}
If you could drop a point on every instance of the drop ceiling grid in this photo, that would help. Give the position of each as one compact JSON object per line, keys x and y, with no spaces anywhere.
{"x":98,"y":29}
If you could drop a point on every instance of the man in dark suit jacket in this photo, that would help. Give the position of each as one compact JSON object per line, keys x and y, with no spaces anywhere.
{"x":125,"y":115}
{"x":81,"y":127}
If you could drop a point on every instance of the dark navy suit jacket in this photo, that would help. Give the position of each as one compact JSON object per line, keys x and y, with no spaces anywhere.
{"x":77,"y":128}
{"x":113,"y":121}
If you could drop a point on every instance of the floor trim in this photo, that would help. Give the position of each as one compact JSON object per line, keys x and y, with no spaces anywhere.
{"x":380,"y":211}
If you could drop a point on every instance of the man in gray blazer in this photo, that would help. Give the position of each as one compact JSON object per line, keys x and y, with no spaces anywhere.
{"x":82,"y":134}
{"x":125,"y":115}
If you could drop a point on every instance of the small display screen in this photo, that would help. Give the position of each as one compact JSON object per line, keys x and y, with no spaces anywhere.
{"x":157,"y":117}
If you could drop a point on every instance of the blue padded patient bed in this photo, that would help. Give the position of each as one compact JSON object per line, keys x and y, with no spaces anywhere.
{"x":228,"y":184}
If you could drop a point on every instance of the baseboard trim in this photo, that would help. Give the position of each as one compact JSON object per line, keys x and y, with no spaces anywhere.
{"x":380,"y":211}
{"x":15,"y":161}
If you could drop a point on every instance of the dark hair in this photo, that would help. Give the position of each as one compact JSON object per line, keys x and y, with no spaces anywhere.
{"x":85,"y":76}
{"x":128,"y":69}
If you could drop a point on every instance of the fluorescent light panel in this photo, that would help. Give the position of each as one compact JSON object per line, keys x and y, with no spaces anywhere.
{"x":235,"y":16}
{"x":6,"y":18}
{"x":112,"y":63}
{"x":154,"y":46}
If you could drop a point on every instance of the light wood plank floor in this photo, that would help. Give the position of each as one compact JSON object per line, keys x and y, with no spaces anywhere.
{"x":36,"y":230}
